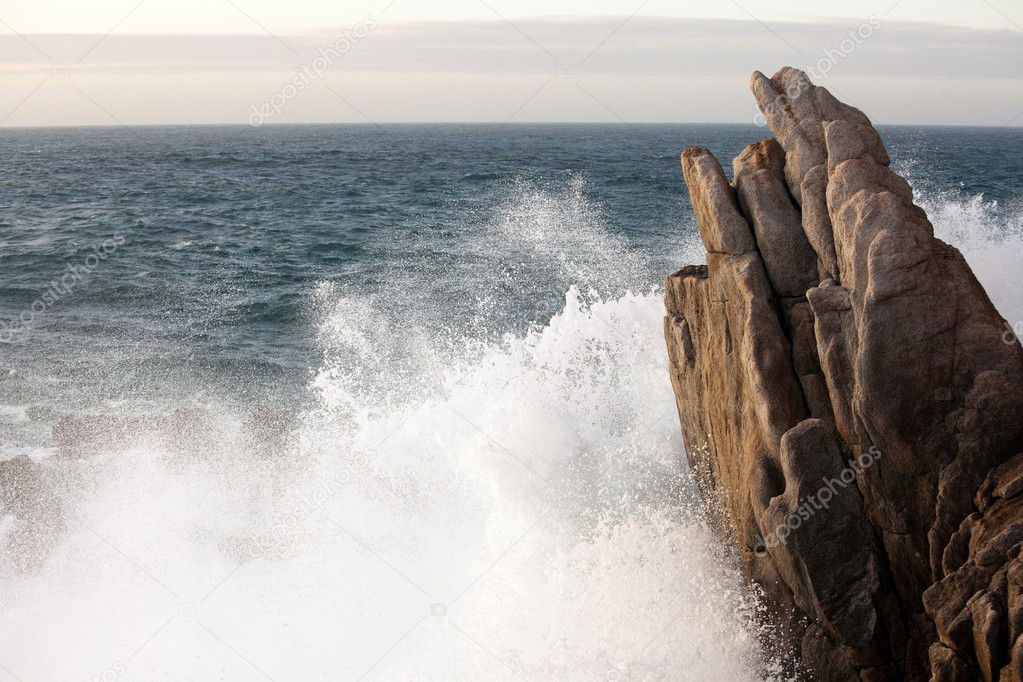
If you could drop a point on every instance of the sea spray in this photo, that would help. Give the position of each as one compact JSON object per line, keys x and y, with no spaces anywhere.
{"x":451,"y":504}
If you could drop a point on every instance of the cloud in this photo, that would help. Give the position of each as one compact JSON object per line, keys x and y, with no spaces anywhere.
{"x":643,"y":46}
{"x":542,"y":69}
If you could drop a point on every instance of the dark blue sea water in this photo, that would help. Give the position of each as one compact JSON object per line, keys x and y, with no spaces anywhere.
{"x":468,"y":307}
{"x":229,"y":230}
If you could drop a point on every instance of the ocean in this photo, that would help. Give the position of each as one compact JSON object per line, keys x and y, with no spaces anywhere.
{"x":361,"y":402}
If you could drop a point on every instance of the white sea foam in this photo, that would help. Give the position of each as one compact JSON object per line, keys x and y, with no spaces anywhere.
{"x":524,"y":518}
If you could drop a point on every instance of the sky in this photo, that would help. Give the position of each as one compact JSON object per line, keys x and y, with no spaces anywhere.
{"x":265,"y":62}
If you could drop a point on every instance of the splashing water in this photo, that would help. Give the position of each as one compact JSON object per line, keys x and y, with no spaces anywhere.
{"x":450,"y":505}
{"x":990,"y":236}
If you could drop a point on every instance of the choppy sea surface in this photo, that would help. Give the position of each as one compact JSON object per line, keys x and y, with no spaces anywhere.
{"x":346,"y":402}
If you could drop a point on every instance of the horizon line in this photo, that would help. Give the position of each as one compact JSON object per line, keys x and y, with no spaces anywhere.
{"x":381,"y":124}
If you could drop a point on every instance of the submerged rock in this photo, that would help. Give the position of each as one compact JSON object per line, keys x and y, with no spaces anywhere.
{"x":185,"y":432}
{"x":28,"y":500}
{"x":849,"y":404}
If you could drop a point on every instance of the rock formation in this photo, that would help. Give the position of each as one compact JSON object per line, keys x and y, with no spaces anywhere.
{"x":849,"y":404}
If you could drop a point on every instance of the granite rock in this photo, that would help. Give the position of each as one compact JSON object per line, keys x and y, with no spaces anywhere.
{"x":832,"y":337}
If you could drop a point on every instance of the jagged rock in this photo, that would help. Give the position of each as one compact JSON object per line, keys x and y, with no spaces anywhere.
{"x":835,"y":583}
{"x":1014,"y":598}
{"x":988,"y":620}
{"x":760,"y":185}
{"x":957,"y":551}
{"x":830,"y":665}
{"x":947,"y":665}
{"x":807,"y":363}
{"x":978,"y":604}
{"x":826,"y":295}
{"x":1004,"y":483}
{"x":1013,"y":672}
{"x":722,"y":227}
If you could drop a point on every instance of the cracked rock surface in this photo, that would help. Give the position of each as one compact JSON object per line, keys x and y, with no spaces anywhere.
{"x":849,"y":404}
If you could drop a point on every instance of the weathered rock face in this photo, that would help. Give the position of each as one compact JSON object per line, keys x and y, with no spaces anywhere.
{"x":849,"y":404}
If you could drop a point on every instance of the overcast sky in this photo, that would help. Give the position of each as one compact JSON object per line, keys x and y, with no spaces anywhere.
{"x":104,"y":62}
